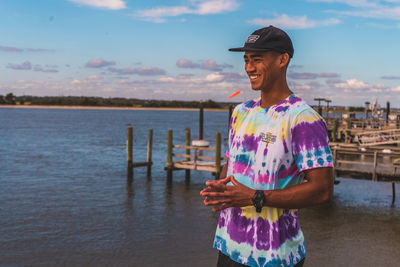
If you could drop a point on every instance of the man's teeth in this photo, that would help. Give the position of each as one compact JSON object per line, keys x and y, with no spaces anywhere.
{"x":253,"y":77}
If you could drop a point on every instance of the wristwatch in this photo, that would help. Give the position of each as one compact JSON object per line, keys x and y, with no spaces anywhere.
{"x":258,"y":200}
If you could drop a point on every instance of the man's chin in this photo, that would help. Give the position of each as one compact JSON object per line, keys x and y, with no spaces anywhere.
{"x":255,"y":88}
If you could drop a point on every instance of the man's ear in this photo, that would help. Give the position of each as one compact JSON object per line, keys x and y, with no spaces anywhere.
{"x":284,"y":59}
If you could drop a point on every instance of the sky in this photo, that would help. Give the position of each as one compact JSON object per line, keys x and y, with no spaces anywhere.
{"x":346,"y":51}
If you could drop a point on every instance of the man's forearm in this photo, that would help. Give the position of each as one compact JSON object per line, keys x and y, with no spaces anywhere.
{"x":298,"y":196}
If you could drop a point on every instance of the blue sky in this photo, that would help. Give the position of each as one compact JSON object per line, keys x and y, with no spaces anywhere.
{"x":345,"y":50}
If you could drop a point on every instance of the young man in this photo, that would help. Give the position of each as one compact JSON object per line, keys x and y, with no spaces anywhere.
{"x":278,"y":161}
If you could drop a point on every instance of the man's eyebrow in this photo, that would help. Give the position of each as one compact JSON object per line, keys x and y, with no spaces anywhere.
{"x":253,"y":56}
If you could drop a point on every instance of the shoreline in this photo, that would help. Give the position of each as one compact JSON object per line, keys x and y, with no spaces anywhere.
{"x":105,"y":108}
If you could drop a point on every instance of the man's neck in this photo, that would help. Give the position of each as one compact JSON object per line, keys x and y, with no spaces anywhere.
{"x":273,"y":97}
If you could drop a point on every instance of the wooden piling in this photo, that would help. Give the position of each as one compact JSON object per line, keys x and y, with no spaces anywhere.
{"x":375,"y":163}
{"x":149,"y":152}
{"x":169,"y":155}
{"x":187,"y":143}
{"x":335,"y":130}
{"x":201,"y":121}
{"x":387,"y":112}
{"x":129,"y":151}
{"x":393,"y":193}
{"x":217,"y":155}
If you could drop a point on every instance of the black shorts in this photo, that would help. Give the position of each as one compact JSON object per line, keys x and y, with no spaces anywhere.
{"x":225,"y":261}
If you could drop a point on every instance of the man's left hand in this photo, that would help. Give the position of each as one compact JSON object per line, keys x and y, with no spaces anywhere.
{"x":236,"y":195}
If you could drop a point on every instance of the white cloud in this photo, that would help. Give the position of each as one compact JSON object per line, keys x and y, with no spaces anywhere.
{"x":95,"y":77}
{"x":159,"y":14}
{"x":76,"y":82}
{"x":286,"y":22}
{"x":214,"y":77}
{"x":107,"y":4}
{"x":379,"y":9}
{"x":216,"y":7}
{"x":354,"y":3}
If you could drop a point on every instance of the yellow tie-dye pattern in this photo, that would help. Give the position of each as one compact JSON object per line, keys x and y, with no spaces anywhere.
{"x":267,"y":213}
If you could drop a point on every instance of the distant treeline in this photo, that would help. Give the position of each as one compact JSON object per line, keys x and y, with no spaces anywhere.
{"x":10,"y":99}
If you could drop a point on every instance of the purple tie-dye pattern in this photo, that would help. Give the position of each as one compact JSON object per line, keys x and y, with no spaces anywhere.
{"x":240,"y":228}
{"x":263,"y":228}
{"x":286,"y":228}
{"x":309,"y":136}
{"x":285,"y":146}
{"x":281,"y":108}
{"x":265,"y":151}
{"x":294,"y":99}
{"x":250,"y":143}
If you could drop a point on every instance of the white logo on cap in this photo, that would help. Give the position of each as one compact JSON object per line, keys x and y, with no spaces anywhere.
{"x":252,"y":38}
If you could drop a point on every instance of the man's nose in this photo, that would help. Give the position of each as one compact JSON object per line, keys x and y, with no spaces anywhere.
{"x":249,"y":67}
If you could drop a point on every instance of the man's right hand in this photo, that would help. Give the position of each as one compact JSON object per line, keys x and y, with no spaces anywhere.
{"x":215,"y":186}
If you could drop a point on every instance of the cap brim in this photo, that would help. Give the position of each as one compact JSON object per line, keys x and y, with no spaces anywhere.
{"x":248,"y":49}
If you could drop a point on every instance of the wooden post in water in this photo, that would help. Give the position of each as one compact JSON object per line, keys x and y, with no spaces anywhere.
{"x":187,"y":143}
{"x":335,"y":130}
{"x":387,"y":112}
{"x":149,"y":152}
{"x":169,"y":155}
{"x":217,"y":155}
{"x":374,"y":178}
{"x":201,"y":120}
{"x":129,"y":151}
{"x":393,"y":193}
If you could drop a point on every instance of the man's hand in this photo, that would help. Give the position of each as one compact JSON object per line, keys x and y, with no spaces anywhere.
{"x":221,"y":196}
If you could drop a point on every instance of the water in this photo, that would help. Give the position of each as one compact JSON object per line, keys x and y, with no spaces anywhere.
{"x":64,"y":199}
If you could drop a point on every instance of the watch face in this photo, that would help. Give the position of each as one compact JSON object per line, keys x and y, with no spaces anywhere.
{"x":258,"y":200}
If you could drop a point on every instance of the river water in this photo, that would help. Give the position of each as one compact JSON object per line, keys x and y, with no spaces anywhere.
{"x":65,"y":200}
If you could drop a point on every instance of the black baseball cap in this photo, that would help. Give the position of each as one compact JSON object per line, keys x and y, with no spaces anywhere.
{"x":267,"y":39}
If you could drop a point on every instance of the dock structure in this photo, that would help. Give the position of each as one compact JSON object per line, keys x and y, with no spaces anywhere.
{"x":374,"y":163}
{"x":192,"y":158}
{"x":129,"y":153}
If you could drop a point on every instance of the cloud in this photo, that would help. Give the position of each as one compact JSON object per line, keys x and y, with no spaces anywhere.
{"x":384,"y":9}
{"x":206,"y":65}
{"x":107,"y":4}
{"x":98,"y":63}
{"x":10,"y":49}
{"x":197,"y":7}
{"x":352,"y":86}
{"x":95,"y":77}
{"x":286,"y":22}
{"x":52,"y":69}
{"x":390,"y":77}
{"x":353,"y":3}
{"x":309,"y":75}
{"x":24,"y":66}
{"x":76,"y":82}
{"x":18,"y":50}
{"x":145,"y":71}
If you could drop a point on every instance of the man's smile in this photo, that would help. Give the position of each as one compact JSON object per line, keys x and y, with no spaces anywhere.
{"x":253,"y":77}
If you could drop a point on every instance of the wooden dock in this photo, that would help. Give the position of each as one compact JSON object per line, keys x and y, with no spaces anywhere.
{"x":193,"y":158}
{"x":375,"y":163}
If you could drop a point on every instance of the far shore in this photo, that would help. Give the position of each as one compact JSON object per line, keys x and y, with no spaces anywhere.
{"x":105,"y":108}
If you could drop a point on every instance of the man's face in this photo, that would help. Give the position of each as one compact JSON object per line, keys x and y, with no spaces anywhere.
{"x":262,"y":68}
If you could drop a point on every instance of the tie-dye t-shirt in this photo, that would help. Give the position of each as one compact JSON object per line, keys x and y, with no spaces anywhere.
{"x":268,"y":150}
